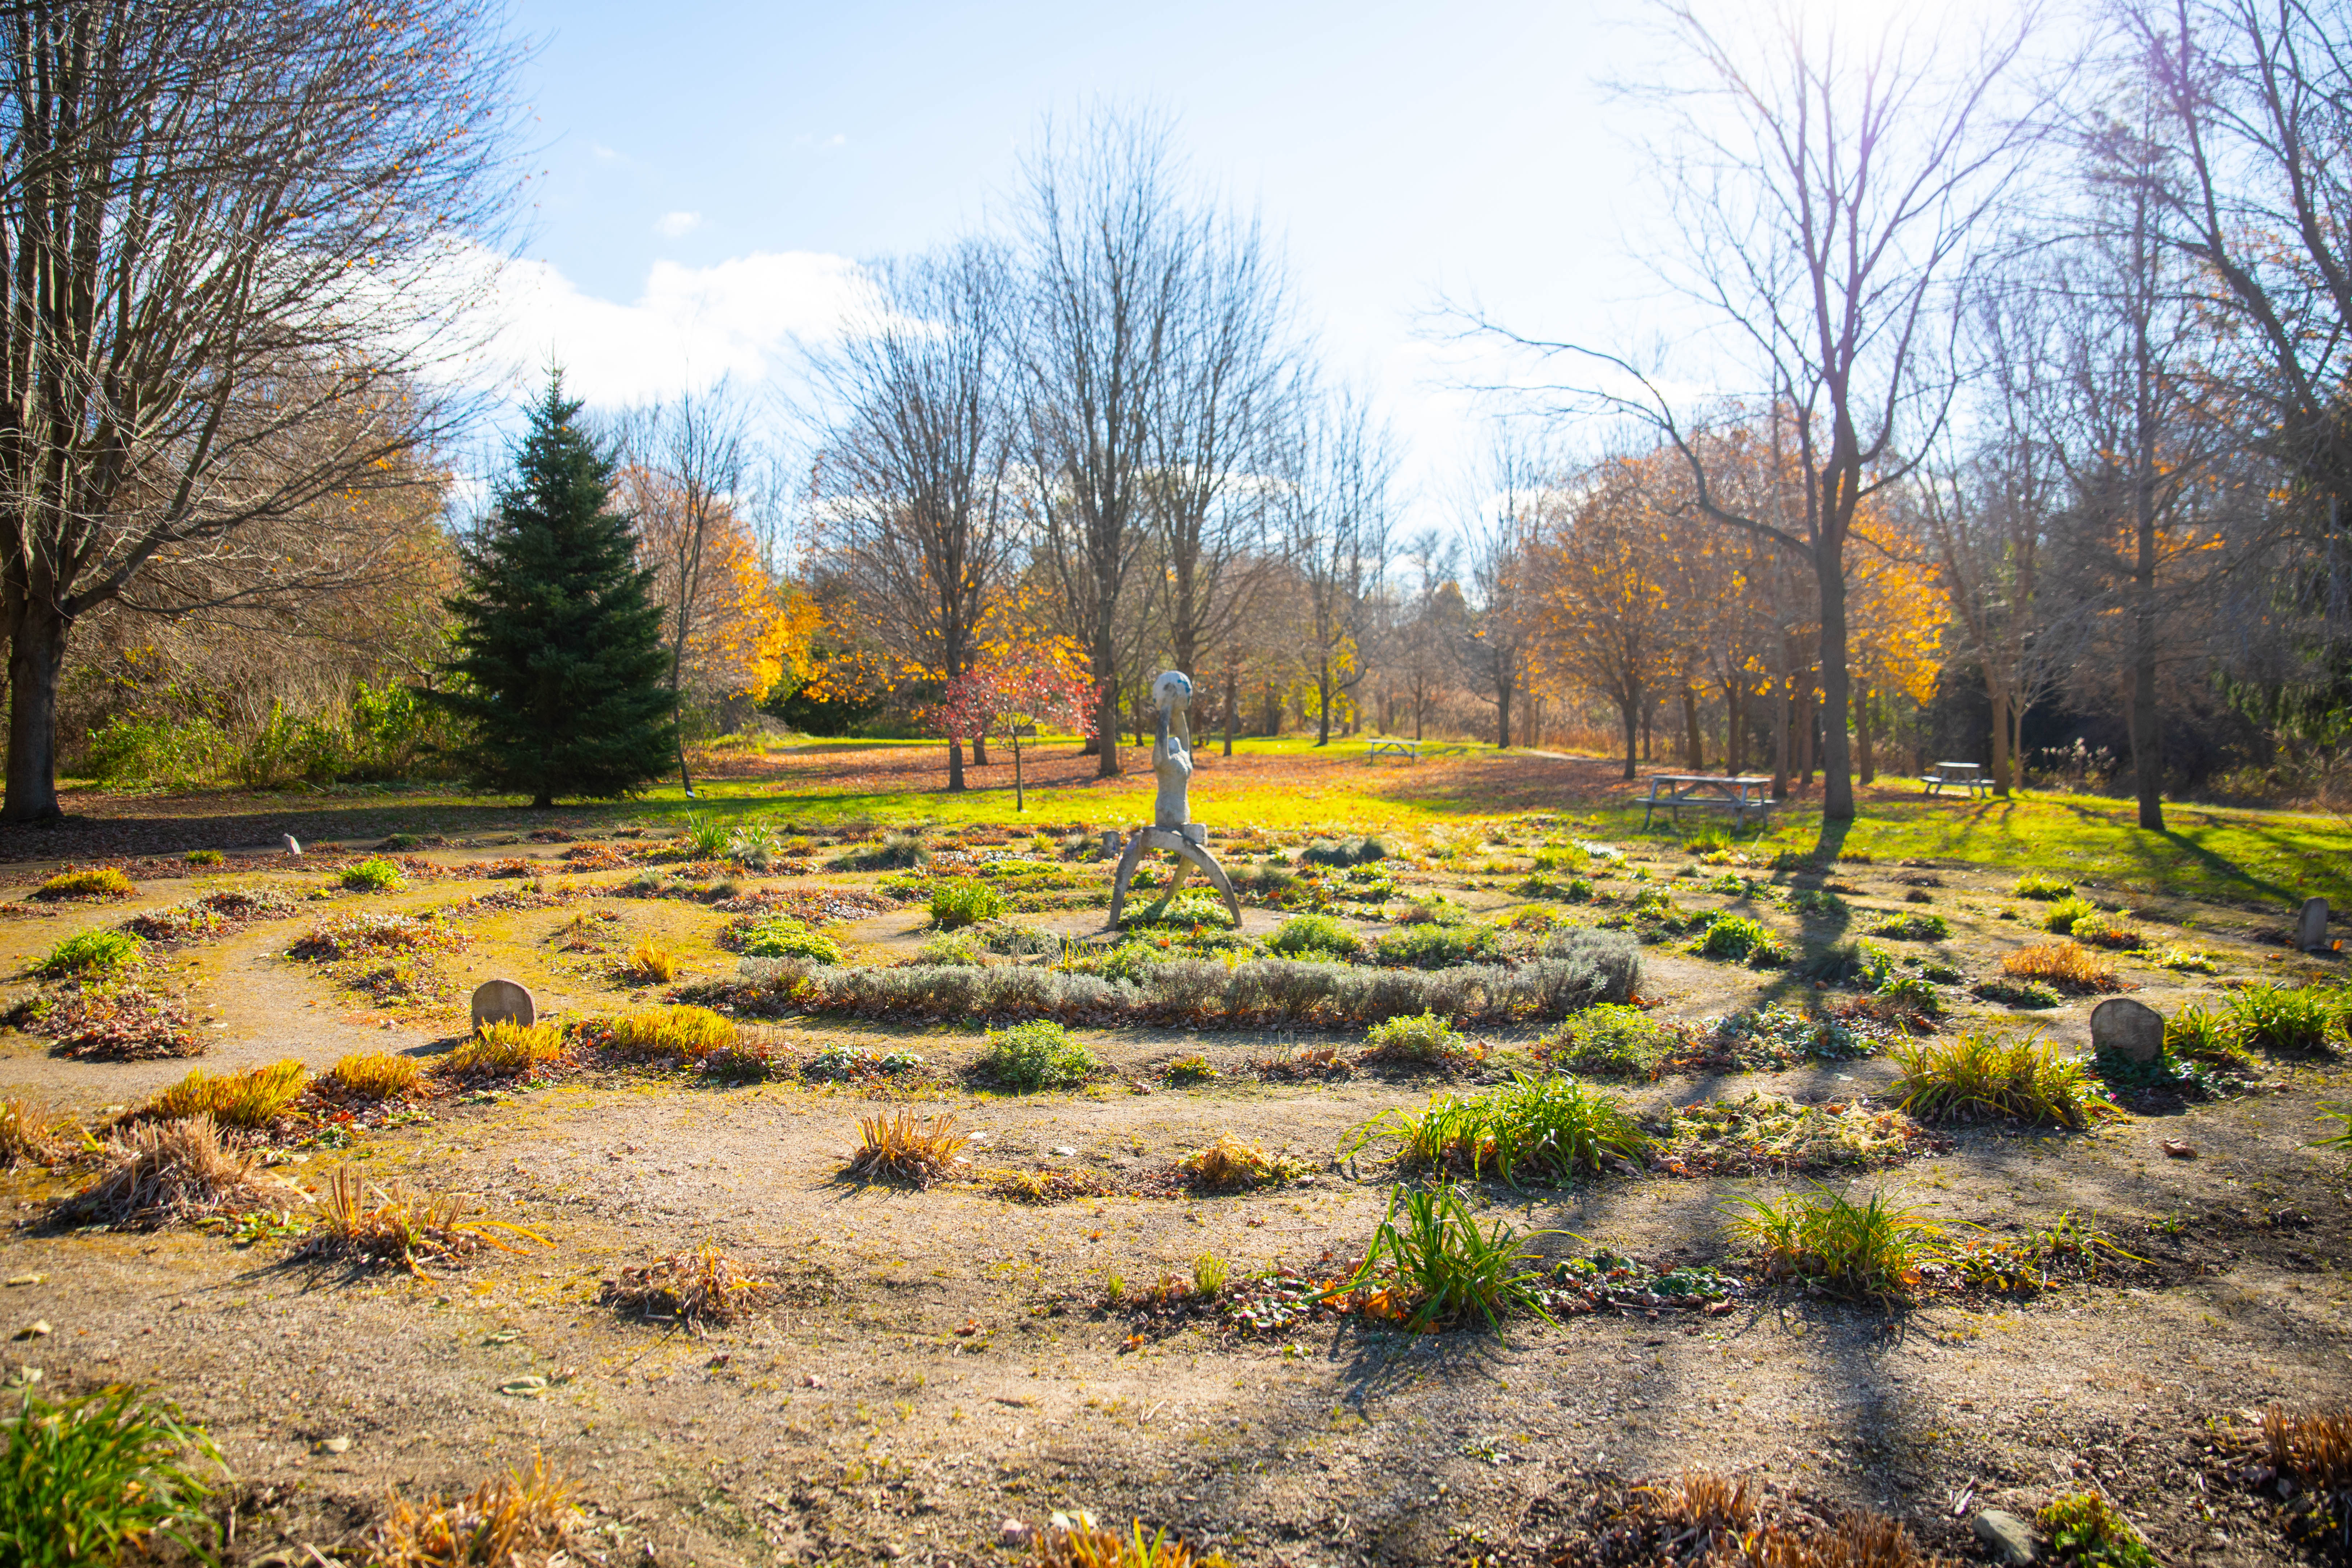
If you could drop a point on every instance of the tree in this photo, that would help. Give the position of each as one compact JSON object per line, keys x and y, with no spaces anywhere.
{"x":1046,"y":685}
{"x":218,"y":298}
{"x":1333,"y":522}
{"x":1496,"y":638}
{"x":558,"y":636}
{"x":1611,"y":620}
{"x":915,"y":467}
{"x":1108,"y":247}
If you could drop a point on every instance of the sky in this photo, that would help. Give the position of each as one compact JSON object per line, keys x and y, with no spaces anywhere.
{"x":705,"y":177}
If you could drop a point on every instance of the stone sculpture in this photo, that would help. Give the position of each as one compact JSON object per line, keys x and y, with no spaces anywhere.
{"x":1173,"y":827}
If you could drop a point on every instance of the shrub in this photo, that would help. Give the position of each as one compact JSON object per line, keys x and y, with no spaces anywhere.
{"x":90,"y":951}
{"x":1314,"y":936}
{"x":102,"y":1478}
{"x":2034,"y":885}
{"x":1194,"y":1068}
{"x":1229,"y":1163}
{"x":1426,"y":1040}
{"x":1913,"y":928}
{"x":1030,"y":1056}
{"x":1742,"y":941}
{"x":2069,"y":965}
{"x":504,"y":1050}
{"x":251,"y":1099}
{"x":955,"y":904}
{"x":86,"y":882}
{"x":396,"y":1227}
{"x":896,"y":852}
{"x":2018,"y":992}
{"x":2060,"y":916}
{"x":902,"y":1148}
{"x":1551,"y":1127}
{"x":2084,"y":1528}
{"x":951,"y":948}
{"x":781,"y":936}
{"x":1344,"y":851}
{"x":2109,"y":930}
{"x":1270,"y":881}
{"x":1987,"y":1075}
{"x":520,"y":1517}
{"x":1435,"y":1266}
{"x":372,"y":1075}
{"x":1436,"y":946}
{"x":204,"y":857}
{"x":651,"y":963}
{"x":1872,"y":1250}
{"x":658,"y":1034}
{"x":157,"y":1171}
{"x":372,"y":877}
{"x":1611,"y":1041}
{"x":2301,"y":1019}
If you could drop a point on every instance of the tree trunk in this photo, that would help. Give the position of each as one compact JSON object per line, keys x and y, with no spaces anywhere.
{"x":1503,"y":712}
{"x":1781,"y":700}
{"x":1837,"y":689}
{"x":37,"y":657}
{"x":1997,"y":695}
{"x":979,"y":751}
{"x":1105,"y":672}
{"x":1630,"y":713}
{"x":1323,"y":702}
{"x":1734,"y":726}
{"x":955,"y":764}
{"x":1694,"y":744}
{"x":1869,"y":764}
{"x":1232,"y":704}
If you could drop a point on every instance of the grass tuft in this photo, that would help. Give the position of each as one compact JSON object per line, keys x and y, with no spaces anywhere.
{"x":372,"y":1075}
{"x":1552,"y":1127}
{"x":2034,"y":885}
{"x":92,"y":953}
{"x":101,"y":1479}
{"x":2060,"y":916}
{"x":902,"y":1148}
{"x":520,"y":1518}
{"x":1078,"y":1542}
{"x":1429,"y":1265}
{"x":2304,"y":1020}
{"x":651,"y":963}
{"x":393,"y":1225}
{"x":204,"y":857}
{"x":659,"y":1034}
{"x":249,"y":1100}
{"x":964,"y":902}
{"x":1986,"y":1075}
{"x":373,"y":877}
{"x":30,"y":1133}
{"x":506,"y":1050}
{"x":86,"y":882}
{"x":1872,"y":1250}
{"x":158,"y":1172}
{"x":701,"y":1286}
{"x":1229,"y":1165}
{"x":2068,"y":965}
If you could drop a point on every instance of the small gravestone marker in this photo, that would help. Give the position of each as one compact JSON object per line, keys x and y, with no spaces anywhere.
{"x":2311,"y":931}
{"x":503,"y":1002}
{"x":2010,"y":1538}
{"x":2132,"y":1030}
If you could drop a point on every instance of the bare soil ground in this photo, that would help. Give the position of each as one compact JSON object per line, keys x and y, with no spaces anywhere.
{"x":929,"y":1363}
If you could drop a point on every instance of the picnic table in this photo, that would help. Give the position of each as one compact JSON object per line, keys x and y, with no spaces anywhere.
{"x":1398,"y":748}
{"x":1968,"y":776}
{"x":1742,"y":796}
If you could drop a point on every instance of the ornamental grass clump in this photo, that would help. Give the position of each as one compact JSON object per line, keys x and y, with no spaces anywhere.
{"x":159,"y":1172}
{"x":2060,"y":916}
{"x":1314,"y":936}
{"x":90,"y":952}
{"x":504,"y":1050}
{"x":1429,"y":1266}
{"x":1611,"y":1040}
{"x":1986,"y":1075}
{"x":701,"y":1286}
{"x":1548,"y":1129}
{"x":659,"y":1034}
{"x":902,"y":1148}
{"x":394,"y":1226}
{"x":2297,"y":1020}
{"x":2068,"y":965}
{"x":1031,"y":1057}
{"x":2313,"y":1450}
{"x":521,"y":1517}
{"x":1077,"y":1541}
{"x":86,"y":882}
{"x":249,"y":1100}
{"x":650,"y":962}
{"x":30,"y":1133}
{"x":104,"y":1478}
{"x":370,"y":1077}
{"x":1872,"y":1251}
{"x":2034,"y":885}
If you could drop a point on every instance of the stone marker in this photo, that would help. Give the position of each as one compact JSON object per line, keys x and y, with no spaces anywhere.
{"x":2132,"y":1030}
{"x":2311,"y":931}
{"x":2009,"y":1537}
{"x":503,"y":1002}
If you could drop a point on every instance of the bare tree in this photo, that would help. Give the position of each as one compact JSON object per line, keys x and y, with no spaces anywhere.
{"x":917,"y":462}
{"x":1828,"y":203}
{"x":1108,"y":247}
{"x":221,"y":225}
{"x":1496,"y":637}
{"x":1335,"y":532}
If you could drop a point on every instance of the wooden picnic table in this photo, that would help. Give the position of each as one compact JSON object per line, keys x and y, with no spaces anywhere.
{"x":1968,"y":776}
{"x":1400,"y":748}
{"x":1741,"y":795}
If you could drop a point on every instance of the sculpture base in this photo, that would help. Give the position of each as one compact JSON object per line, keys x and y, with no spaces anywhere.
{"x":1189,"y":845}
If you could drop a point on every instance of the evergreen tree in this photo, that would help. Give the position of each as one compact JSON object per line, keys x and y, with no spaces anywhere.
{"x":559,"y":639}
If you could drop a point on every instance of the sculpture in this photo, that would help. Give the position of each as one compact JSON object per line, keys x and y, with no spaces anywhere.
{"x":1171,"y":825}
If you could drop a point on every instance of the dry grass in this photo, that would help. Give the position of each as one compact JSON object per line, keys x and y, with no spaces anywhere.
{"x":701,"y":1286}
{"x":659,"y":1034}
{"x":367,"y":1225}
{"x":249,"y":1100}
{"x":372,"y":1076}
{"x":1229,"y":1165}
{"x":902,"y":1148}
{"x":158,"y":1172}
{"x":1720,"y":1521}
{"x":651,"y":963}
{"x":86,"y":882}
{"x":1079,"y":1543}
{"x":1987,"y":1075}
{"x":2315,"y":1449}
{"x":30,"y":1134}
{"x":521,"y":1517}
{"x":504,"y":1050}
{"x":1714,"y":1511}
{"x":2069,"y":965}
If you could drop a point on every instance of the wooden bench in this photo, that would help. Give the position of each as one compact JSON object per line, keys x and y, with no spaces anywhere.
{"x":1741,"y":797}
{"x":1968,"y":776}
{"x":1410,"y":749}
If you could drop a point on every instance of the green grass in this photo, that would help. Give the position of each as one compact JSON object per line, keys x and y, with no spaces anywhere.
{"x":1552,"y":1128}
{"x":372,"y":877}
{"x":1429,"y":1257}
{"x":90,"y":952}
{"x":1030,"y":1056}
{"x":93,"y":1480}
{"x":1873,"y":1250}
{"x":1985,"y":1075}
{"x":2302,"y":1020}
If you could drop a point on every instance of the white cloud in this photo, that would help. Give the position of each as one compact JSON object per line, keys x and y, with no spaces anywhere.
{"x":687,"y":329}
{"x":673,"y":225}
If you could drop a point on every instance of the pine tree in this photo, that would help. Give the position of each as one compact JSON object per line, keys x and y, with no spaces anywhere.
{"x":560,"y":643}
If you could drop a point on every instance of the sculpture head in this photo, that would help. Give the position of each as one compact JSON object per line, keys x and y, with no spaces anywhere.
{"x":1171,"y":690}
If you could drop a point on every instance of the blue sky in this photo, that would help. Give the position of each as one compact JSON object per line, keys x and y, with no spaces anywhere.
{"x":707,"y":176}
